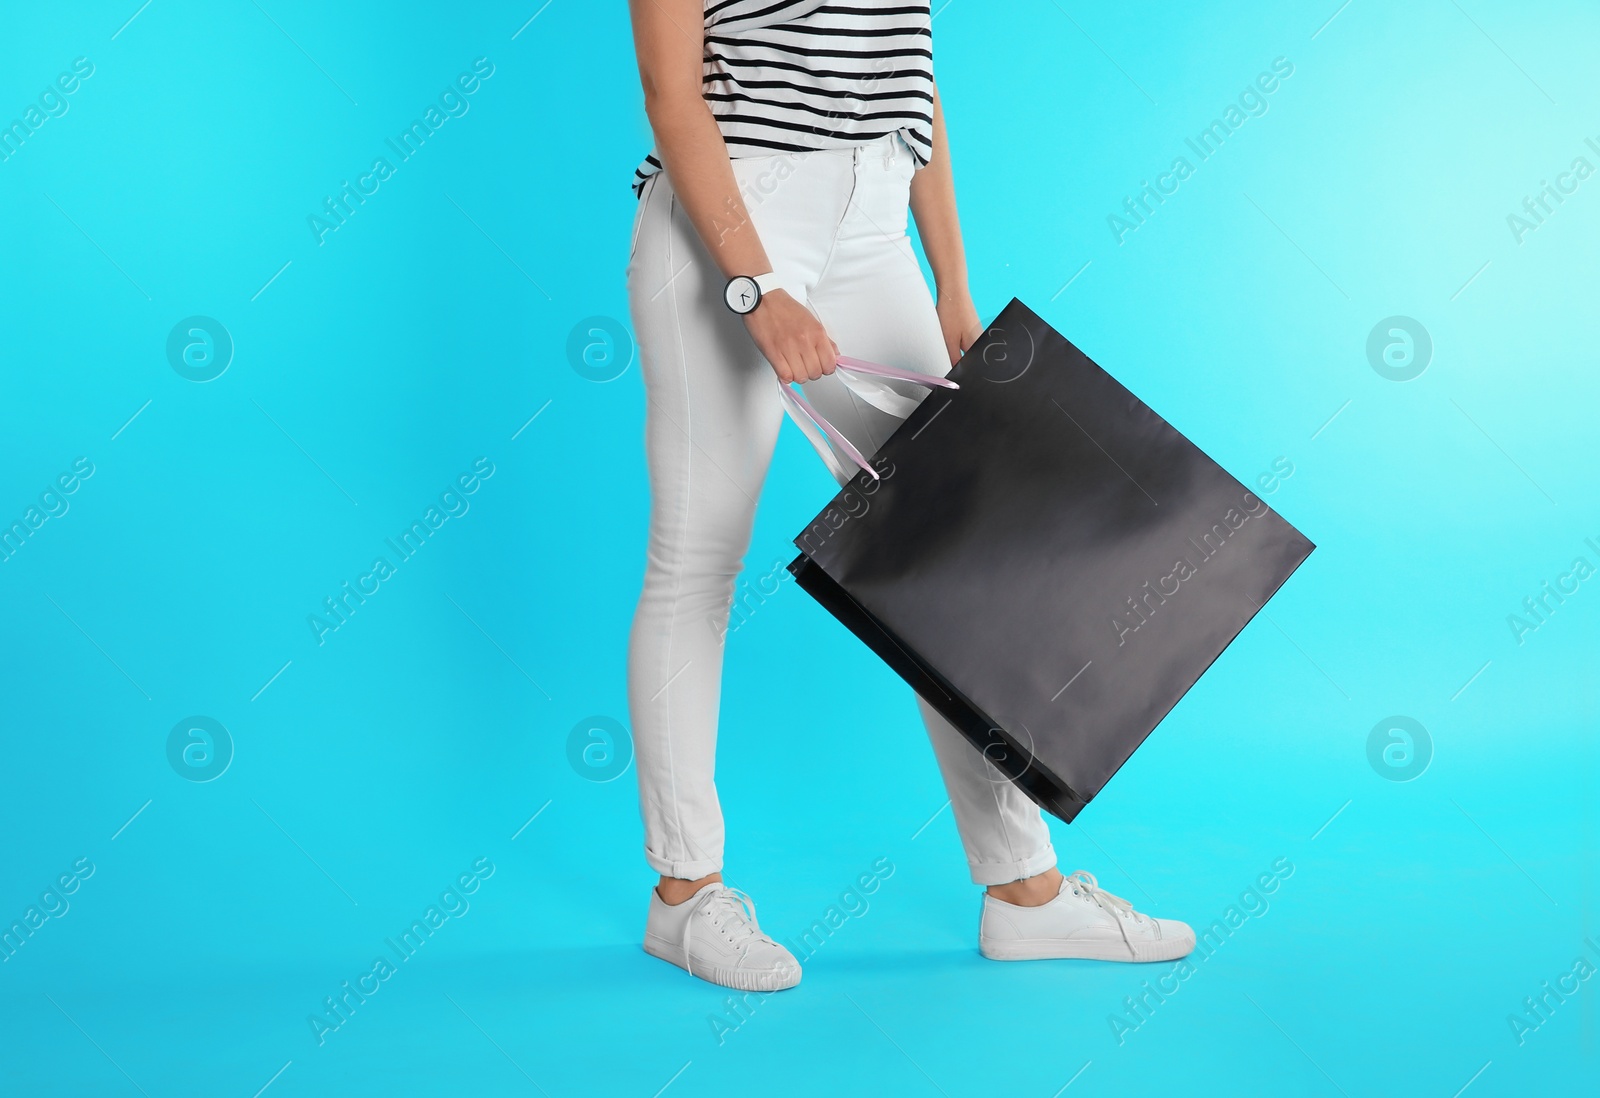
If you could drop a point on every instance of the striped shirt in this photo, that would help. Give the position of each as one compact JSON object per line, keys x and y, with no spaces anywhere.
{"x":801,"y":75}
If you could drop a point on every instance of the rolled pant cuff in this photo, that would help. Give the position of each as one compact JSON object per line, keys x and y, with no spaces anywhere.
{"x":684,"y":871}
{"x":999,"y":873}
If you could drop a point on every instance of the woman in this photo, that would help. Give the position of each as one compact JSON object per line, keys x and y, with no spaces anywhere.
{"x":791,"y":138}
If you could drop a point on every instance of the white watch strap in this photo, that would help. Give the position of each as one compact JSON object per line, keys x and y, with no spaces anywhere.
{"x":766,"y":283}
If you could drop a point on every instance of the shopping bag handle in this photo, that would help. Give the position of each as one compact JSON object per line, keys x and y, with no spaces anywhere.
{"x":853,"y":372}
{"x":809,"y":420}
{"x":861,"y":366}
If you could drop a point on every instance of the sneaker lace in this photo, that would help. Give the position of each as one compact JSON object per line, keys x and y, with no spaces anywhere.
{"x":729,"y":910}
{"x":1084,"y":884}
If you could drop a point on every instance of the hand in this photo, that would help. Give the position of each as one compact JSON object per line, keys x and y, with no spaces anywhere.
{"x":958,"y":320}
{"x":792,"y":338}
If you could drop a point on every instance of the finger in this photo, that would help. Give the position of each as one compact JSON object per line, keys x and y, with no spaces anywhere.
{"x":828,"y":355}
{"x":798,"y":362}
{"x":813,"y":364}
{"x":799,"y":366}
{"x":811,"y":340}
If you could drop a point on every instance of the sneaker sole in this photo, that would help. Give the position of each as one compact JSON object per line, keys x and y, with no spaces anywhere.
{"x":1050,"y":949}
{"x":739,"y":979}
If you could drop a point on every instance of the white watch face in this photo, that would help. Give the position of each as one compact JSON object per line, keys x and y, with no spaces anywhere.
{"x":742,"y":294}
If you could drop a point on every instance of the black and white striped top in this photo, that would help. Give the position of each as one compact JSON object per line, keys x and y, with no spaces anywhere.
{"x":800,"y":75}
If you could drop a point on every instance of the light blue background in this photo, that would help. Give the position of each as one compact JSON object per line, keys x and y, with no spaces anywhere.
{"x":371,"y":770}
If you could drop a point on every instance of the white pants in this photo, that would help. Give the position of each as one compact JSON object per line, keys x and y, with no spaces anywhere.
{"x":834,"y":225}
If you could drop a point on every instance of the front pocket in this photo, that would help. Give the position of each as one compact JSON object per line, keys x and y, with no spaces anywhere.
{"x":638,"y":214}
{"x":909,"y":168}
{"x":887,"y":194}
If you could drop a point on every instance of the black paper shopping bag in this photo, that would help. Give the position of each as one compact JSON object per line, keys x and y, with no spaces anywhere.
{"x":1045,"y":560}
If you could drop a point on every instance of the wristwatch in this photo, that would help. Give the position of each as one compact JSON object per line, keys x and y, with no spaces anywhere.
{"x":743,"y":294}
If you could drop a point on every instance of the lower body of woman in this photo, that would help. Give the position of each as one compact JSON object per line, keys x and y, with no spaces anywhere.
{"x":834,"y":224}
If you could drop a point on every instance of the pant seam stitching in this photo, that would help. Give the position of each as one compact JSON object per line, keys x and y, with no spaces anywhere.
{"x":683,"y":537}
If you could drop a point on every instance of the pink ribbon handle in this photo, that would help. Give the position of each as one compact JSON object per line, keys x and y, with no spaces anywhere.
{"x":810,"y":421}
{"x":800,"y":410}
{"x":894,"y":373}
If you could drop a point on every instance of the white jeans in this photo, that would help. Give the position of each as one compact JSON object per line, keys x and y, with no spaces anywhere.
{"x":834,"y":225}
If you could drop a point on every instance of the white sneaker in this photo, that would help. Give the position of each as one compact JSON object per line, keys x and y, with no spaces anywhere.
{"x":714,"y":935}
{"x":1082,"y":921}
